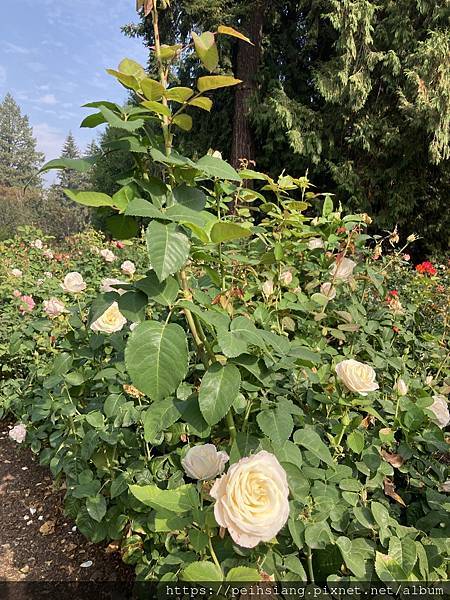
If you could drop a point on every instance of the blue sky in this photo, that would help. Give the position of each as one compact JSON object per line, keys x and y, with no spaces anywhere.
{"x":53,"y":56}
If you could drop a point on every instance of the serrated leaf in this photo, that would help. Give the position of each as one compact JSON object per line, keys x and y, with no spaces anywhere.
{"x":152,"y":89}
{"x":200,"y":571}
{"x":183,"y":121}
{"x":225,"y":30}
{"x":246,"y":574}
{"x":130,"y":67}
{"x":226,"y":232}
{"x":179,"y":500}
{"x":168,"y":248}
{"x":179,"y":94}
{"x":202,"y":102}
{"x":96,"y":507}
{"x":139,"y":207}
{"x":157,"y":107}
{"x":89,"y":198}
{"x":216,"y":167}
{"x":156,"y":357}
{"x":355,"y":441}
{"x":312,"y":441}
{"x":164,"y":292}
{"x":76,"y":164}
{"x":214,"y":82}
{"x":206,"y":49}
{"x":118,"y":123}
{"x":277,"y":425}
{"x":158,"y":417}
{"x":128,"y":81}
{"x":218,"y":390}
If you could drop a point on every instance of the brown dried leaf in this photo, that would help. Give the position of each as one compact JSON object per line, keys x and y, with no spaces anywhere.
{"x":368,"y":421}
{"x":393,"y":459}
{"x":47,"y":528}
{"x":389,"y":490}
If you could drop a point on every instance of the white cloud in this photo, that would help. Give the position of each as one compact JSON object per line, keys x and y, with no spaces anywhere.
{"x":49,"y":140}
{"x":11,"y":48}
{"x":48,"y":99}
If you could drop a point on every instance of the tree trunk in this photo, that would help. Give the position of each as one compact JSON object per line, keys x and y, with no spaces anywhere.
{"x":247,"y":65}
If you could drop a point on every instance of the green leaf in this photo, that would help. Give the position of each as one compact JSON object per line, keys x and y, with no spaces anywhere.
{"x":355,"y":441}
{"x":218,"y":390}
{"x":76,"y":164}
{"x":179,"y":94}
{"x":142,"y":208}
{"x":156,"y":357}
{"x":158,"y":417}
{"x":246,"y":574}
{"x":312,"y":441}
{"x":123,"y":197}
{"x":214,"y":82}
{"x":206,"y":49}
{"x":353,"y":559}
{"x":318,"y":535}
{"x":168,"y":248}
{"x":96,"y":507}
{"x":96,"y":419}
{"x":118,"y":123}
{"x":157,"y":107}
{"x":277,"y":425}
{"x":122,"y":227}
{"x":89,"y":198}
{"x":132,"y":305}
{"x":152,"y":89}
{"x":223,"y":29}
{"x":387,"y":568}
{"x":188,"y":196}
{"x":202,"y":102}
{"x":200,"y":571}
{"x":164,"y":292}
{"x":179,"y":500}
{"x":404,"y":552}
{"x":130,"y":67}
{"x":226,"y":232}
{"x":183,"y":121}
{"x":216,"y":167}
{"x":242,"y":332}
{"x":128,"y":81}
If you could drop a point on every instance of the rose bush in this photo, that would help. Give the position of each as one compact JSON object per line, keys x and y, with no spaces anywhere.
{"x":262,"y":335}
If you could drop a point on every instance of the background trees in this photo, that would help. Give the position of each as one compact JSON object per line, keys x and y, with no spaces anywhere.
{"x":356,"y":91}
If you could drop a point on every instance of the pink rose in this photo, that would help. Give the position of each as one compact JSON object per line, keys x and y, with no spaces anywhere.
{"x":18,"y":433}
{"x":54,"y":307}
{"x":107,"y":255}
{"x":128,"y":267}
{"x":27,"y":304}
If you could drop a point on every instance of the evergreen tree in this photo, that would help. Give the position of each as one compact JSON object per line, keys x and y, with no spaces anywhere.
{"x":70,"y":178}
{"x":19,"y":159}
{"x":356,"y":91}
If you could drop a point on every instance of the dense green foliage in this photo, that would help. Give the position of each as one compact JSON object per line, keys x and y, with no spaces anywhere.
{"x":358,"y":92}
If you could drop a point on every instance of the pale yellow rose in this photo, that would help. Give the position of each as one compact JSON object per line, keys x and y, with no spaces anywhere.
{"x":439,"y":408}
{"x":286,"y":278}
{"x":108,"y":283}
{"x":204,"y":462}
{"x":328,"y":290}
{"x":356,"y":376}
{"x":54,"y":307}
{"x":342,"y":269}
{"x":400,"y":387}
{"x":315,"y":243}
{"x":107,"y":255}
{"x":267,"y":288}
{"x":110,"y":321}
{"x":73,"y":282}
{"x":252,"y":499}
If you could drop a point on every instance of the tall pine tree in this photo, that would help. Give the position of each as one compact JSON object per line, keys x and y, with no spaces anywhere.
{"x":19,"y":159}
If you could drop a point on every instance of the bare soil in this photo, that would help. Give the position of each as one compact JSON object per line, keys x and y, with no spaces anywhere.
{"x":37,"y":542}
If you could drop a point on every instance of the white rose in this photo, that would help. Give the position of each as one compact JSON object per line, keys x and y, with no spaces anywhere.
{"x":54,"y":307}
{"x":400,"y":387}
{"x":204,"y":462}
{"x":356,"y":376}
{"x":252,"y":499}
{"x":286,"y":278}
{"x":315,"y":243}
{"x":37,"y":244}
{"x":128,"y":267}
{"x":445,"y":487}
{"x":267,"y":288}
{"x":73,"y":282}
{"x":106,"y":285}
{"x":328,"y":290}
{"x":48,"y":274}
{"x":48,"y":253}
{"x":107,"y":255}
{"x":16,"y":273}
{"x":110,"y":321}
{"x":439,"y":408}
{"x":18,"y":433}
{"x":342,"y":269}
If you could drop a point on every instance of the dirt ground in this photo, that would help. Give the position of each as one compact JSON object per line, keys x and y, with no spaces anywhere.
{"x":37,"y":542}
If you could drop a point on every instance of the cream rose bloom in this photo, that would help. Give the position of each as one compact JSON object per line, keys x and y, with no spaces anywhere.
{"x":54,"y":307}
{"x":16,"y":273}
{"x":328,"y":290}
{"x":107,"y":255}
{"x":107,"y":283}
{"x":439,"y":408}
{"x":38,"y":244}
{"x":204,"y":462}
{"x":342,"y":269}
{"x":252,"y":499}
{"x":73,"y":282}
{"x":110,"y":321}
{"x":267,"y":288}
{"x":128,"y":267}
{"x":315,"y":243}
{"x":400,"y":387}
{"x":286,"y":277}
{"x":18,"y":433}
{"x":356,"y":376}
